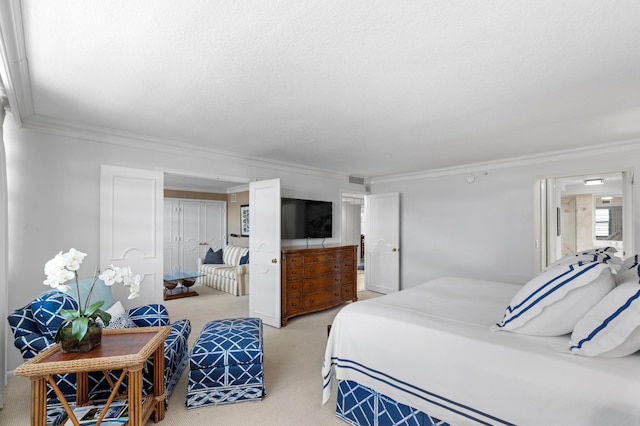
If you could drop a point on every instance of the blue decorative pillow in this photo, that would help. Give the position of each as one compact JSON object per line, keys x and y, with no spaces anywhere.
{"x":101,"y":291}
{"x":152,"y":315}
{"x":213,"y":257}
{"x":244,"y":259}
{"x":46,"y":311}
{"x":552,"y":302}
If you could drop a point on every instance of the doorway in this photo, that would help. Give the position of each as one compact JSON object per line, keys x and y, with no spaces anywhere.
{"x":352,"y":230}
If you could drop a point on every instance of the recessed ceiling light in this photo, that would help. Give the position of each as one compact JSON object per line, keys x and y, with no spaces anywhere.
{"x":607,"y":198}
{"x":594,"y":181}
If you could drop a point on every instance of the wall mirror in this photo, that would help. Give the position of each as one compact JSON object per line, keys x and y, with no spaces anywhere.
{"x":576,"y":213}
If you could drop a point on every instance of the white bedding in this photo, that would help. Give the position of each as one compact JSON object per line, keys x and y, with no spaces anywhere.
{"x":430,"y":347}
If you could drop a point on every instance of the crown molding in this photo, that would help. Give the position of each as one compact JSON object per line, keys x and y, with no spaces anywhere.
{"x":14,"y":71}
{"x":76,"y":130}
{"x":569,"y":154}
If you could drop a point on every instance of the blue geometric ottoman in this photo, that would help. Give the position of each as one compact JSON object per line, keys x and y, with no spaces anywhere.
{"x":225,"y":363}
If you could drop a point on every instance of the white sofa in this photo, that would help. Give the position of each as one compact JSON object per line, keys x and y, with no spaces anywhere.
{"x":228,"y":276}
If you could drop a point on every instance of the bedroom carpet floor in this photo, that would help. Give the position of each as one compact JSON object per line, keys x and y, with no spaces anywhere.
{"x":292,"y":364}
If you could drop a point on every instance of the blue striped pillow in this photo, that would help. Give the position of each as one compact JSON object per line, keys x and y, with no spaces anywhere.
{"x":612,"y":327}
{"x":553,"y":301}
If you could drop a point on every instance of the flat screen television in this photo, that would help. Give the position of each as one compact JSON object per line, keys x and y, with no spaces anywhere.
{"x":305,"y":219}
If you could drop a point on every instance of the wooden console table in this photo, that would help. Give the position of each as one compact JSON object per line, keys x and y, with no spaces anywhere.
{"x":121,"y":349}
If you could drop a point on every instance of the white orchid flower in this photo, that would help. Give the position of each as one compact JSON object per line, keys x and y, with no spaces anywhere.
{"x":134,"y":291}
{"x":108,"y":276}
{"x":73,"y":259}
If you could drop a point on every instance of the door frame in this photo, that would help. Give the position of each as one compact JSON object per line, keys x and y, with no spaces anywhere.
{"x":353,"y":194}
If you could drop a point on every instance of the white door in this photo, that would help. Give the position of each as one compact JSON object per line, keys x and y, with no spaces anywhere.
{"x":191,"y":224}
{"x":190,"y":228}
{"x":264,"y":251}
{"x":214,"y":227}
{"x":382,"y":242}
{"x":171,"y":234}
{"x":131,"y":228}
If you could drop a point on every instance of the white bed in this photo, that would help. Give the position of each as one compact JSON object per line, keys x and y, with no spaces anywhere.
{"x":430,"y":347}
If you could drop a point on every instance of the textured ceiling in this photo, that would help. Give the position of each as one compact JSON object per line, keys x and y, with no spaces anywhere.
{"x":369,"y":88}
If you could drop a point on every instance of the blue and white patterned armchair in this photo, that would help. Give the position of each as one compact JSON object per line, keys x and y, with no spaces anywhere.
{"x":34,"y":326}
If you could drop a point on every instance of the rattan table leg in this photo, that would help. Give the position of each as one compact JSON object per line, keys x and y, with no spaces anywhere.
{"x":39,"y":401}
{"x":135,"y":396}
{"x":82,"y":388}
{"x":158,"y":384}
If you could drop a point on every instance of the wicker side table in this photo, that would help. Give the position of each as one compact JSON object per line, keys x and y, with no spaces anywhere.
{"x":121,"y":349}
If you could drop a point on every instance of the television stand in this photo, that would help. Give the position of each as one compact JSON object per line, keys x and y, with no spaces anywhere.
{"x":316,"y":279}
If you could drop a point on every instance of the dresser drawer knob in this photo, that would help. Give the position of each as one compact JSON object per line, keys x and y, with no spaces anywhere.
{"x":311,"y":270}
{"x":294,"y":287}
{"x":294,"y":304}
{"x":311,"y":300}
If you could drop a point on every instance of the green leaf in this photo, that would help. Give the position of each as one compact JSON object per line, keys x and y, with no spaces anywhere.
{"x":94,"y":307}
{"x":69,"y":314}
{"x":58,"y":335}
{"x":79,"y":327}
{"x":104,"y":316}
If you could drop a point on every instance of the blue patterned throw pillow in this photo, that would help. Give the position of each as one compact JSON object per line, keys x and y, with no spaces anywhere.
{"x":46,"y":311}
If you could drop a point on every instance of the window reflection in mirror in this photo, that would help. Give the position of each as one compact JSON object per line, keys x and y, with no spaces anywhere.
{"x":608,"y":218}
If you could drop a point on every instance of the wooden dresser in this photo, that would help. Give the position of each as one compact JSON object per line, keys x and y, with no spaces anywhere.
{"x":315,"y":279}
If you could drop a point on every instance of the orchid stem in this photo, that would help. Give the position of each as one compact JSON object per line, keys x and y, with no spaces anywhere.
{"x":93,"y":282}
{"x":78,"y":293}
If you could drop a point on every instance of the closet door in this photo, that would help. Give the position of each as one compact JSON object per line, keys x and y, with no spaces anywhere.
{"x":214,"y":226}
{"x":171,"y":235}
{"x":192,"y":225}
{"x":191,"y":228}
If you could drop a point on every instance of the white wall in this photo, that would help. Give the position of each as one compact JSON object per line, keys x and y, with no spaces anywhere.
{"x":54,"y":198}
{"x":485,"y":229}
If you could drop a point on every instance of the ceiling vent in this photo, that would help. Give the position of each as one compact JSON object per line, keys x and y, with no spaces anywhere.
{"x":356,"y":180}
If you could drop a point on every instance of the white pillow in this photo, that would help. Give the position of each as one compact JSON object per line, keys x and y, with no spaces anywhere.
{"x":553,"y":301}
{"x":605,"y":255}
{"x":612,"y":327}
{"x":628,"y":271}
{"x":119,"y":317}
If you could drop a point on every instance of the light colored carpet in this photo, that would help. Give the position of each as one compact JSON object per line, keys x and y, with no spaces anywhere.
{"x":292,"y":368}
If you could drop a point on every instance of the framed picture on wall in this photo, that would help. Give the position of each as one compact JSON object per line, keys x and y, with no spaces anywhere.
{"x":244,"y":220}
